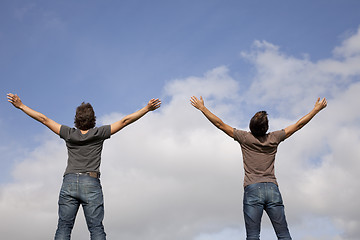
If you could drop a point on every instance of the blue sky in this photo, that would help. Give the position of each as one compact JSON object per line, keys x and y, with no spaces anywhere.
{"x":240,"y":55}
{"x":115,"y":51}
{"x":117,"y":54}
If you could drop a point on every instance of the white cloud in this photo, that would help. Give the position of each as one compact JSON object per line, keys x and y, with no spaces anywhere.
{"x":283,"y":80}
{"x":172,"y":175}
{"x":345,"y":63}
{"x":350,"y":46}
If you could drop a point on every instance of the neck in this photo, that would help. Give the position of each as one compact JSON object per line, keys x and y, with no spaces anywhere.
{"x":84,"y":131}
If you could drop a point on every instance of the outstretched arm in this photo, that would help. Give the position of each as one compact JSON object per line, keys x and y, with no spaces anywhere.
{"x":16,"y":102}
{"x":199,"y":104}
{"x":319,"y":105}
{"x":151,"y":106}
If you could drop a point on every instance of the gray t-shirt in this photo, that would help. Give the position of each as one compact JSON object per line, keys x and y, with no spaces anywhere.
{"x":259,"y":155}
{"x":84,"y":150}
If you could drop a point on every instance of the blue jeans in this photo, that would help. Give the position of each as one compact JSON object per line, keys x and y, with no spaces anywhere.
{"x":79,"y":190}
{"x":257,"y":198}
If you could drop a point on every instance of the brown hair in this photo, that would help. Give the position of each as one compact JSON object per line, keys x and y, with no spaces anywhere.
{"x":259,"y":124}
{"x":85,"y":117}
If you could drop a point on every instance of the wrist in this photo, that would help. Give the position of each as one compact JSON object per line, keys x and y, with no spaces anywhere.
{"x":202,"y":108}
{"x":316,"y":110}
{"x":21,"y":106}
{"x":147,"y":109}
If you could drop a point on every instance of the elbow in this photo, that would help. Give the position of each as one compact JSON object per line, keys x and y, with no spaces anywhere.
{"x":300,"y":126}
{"x":220,"y":125}
{"x":43,"y":119}
{"x":126,"y":121}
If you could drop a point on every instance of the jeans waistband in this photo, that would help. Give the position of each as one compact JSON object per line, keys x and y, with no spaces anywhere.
{"x":91,"y":174}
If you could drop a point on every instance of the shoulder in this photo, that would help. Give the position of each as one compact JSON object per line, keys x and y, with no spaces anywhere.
{"x":279,"y":135}
{"x":65,"y":131}
{"x":103,"y":131}
{"x":240,"y":135}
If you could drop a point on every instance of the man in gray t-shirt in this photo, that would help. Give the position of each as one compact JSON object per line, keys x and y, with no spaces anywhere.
{"x":84,"y":150}
{"x":259,"y":148}
{"x":81,"y":182}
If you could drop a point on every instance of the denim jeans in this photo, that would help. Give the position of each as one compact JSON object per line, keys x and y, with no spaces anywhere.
{"x":79,"y":190}
{"x":257,"y":198}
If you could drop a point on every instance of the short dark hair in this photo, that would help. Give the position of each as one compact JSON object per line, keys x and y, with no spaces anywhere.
{"x":259,"y":124}
{"x":85,"y":117}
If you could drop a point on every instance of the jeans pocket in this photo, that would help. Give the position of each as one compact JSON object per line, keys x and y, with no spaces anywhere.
{"x":94,"y":194}
{"x":66,"y":189}
{"x":252,"y":194}
{"x":276,"y":195}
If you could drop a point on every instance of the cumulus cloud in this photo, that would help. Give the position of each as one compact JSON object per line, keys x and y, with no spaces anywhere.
{"x":172,"y":175}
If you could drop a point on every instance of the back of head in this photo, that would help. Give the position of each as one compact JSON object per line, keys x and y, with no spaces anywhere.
{"x":259,"y":124}
{"x":85,"y":117}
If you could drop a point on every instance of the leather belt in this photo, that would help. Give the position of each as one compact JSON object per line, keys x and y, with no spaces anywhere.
{"x":91,"y":174}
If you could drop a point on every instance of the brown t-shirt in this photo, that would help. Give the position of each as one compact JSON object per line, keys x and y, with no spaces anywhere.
{"x":259,"y":155}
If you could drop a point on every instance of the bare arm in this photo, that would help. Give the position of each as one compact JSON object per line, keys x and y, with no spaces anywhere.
{"x":151,"y":106}
{"x":319,"y":105}
{"x":199,"y":104}
{"x":16,"y":102}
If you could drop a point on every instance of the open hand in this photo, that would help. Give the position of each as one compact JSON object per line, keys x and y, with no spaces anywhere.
{"x":154,"y":104}
{"x":319,"y":105}
{"x":197,"y":103}
{"x":14,"y":100}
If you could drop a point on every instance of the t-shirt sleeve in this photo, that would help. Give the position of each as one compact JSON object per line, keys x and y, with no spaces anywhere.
{"x":64,"y":132}
{"x":280,"y":135}
{"x":105,"y":131}
{"x":239,"y":135}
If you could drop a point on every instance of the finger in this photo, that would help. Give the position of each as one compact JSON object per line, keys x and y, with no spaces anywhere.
{"x":10,"y":96}
{"x":325,"y":102}
{"x":193,"y":100}
{"x":157,"y":104}
{"x":155,"y":101}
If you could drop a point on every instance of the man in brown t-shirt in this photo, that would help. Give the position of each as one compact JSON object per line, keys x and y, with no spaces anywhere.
{"x":259,"y":149}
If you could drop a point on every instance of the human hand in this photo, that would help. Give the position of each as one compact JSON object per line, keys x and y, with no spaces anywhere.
{"x":154,"y":104}
{"x":319,"y":105}
{"x":14,"y":100}
{"x":199,"y":104}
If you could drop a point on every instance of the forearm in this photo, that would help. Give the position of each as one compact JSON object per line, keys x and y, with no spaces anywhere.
{"x":301,"y":122}
{"x":216,"y":121}
{"x":135,"y":116}
{"x":34,"y":114}
{"x":16,"y":102}
{"x":212,"y":117}
{"x":151,"y":106}
{"x":117,"y":126}
{"x":319,"y":105}
{"x":305,"y":119}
